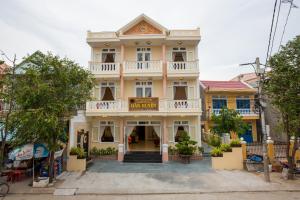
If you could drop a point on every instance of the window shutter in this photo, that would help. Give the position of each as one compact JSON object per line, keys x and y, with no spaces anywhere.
{"x":95,"y":134}
{"x":118,"y":56}
{"x":169,"y":54}
{"x":192,"y":132}
{"x":117,"y":92}
{"x":190,"y":54}
{"x":97,"y":92}
{"x":191,"y":92}
{"x":97,"y":57}
{"x":170,"y":92}
{"x":117,"y":134}
{"x":170,"y":133}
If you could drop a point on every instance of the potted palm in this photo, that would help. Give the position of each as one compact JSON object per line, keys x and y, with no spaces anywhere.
{"x":186,"y":147}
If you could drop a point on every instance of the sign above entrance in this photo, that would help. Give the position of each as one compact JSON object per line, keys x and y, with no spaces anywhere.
{"x":143,"y":104}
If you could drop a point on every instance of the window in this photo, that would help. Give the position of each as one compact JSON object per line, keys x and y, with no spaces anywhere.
{"x":180,"y":90}
{"x":219,"y":102}
{"x":143,"y":89}
{"x":143,"y":55}
{"x":107,"y":131}
{"x":179,"y":54}
{"x":108,"y":55}
{"x":243,"y":104}
{"x":180,"y":127}
{"x":107,"y":91}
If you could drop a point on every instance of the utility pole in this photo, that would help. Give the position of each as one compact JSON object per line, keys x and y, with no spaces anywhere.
{"x":260,"y":73}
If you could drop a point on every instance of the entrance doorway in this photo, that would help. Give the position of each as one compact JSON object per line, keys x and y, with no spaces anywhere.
{"x":143,"y":136}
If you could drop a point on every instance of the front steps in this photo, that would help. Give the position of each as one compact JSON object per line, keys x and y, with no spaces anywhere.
{"x":143,"y":157}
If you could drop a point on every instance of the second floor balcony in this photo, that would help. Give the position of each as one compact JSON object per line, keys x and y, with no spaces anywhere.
{"x":143,"y":68}
{"x":164,"y":107}
{"x":243,"y":112}
{"x":105,"y":70}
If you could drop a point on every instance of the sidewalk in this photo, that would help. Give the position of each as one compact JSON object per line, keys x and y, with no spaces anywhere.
{"x":173,"y":178}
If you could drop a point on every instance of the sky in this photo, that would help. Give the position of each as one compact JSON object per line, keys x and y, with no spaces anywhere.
{"x":232,"y":31}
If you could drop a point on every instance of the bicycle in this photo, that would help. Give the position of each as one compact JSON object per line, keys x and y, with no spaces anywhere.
{"x":4,"y":189}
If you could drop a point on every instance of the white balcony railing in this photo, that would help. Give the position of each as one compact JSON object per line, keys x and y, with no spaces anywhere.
{"x":104,"y":106}
{"x":164,"y":106}
{"x":183,"y":67}
{"x":183,"y":105}
{"x":105,"y":68}
{"x":143,"y":66}
{"x":242,"y":112}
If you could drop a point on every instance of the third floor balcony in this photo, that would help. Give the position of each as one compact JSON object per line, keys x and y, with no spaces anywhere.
{"x":153,"y":68}
{"x":183,"y":69}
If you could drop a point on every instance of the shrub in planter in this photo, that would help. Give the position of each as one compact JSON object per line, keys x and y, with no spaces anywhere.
{"x":94,"y":151}
{"x":214,"y":140}
{"x":235,"y":143}
{"x":226,"y":148}
{"x":78,"y":151}
{"x":216,"y":152}
{"x":172,"y":150}
{"x":186,"y":147}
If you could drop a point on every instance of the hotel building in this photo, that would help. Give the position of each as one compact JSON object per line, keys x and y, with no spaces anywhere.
{"x":147,"y":89}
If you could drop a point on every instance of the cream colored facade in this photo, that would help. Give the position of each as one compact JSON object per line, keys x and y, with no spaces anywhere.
{"x":146,"y":60}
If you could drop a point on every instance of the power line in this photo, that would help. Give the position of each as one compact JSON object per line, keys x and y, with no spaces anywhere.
{"x":270,"y":36}
{"x":286,"y":21}
{"x":278,"y":13}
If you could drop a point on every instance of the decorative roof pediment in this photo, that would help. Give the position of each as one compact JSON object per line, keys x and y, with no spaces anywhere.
{"x":142,"y":25}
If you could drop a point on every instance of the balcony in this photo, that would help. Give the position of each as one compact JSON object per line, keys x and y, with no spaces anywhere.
{"x":165,"y":107}
{"x":143,"y":68}
{"x":183,"y":69}
{"x":103,"y":106}
{"x":105,"y":70}
{"x":245,"y":113}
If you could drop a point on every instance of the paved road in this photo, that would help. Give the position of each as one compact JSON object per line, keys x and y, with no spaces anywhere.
{"x":206,"y":196}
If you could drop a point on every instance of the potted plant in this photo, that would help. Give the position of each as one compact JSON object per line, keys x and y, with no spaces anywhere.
{"x":216,"y":152}
{"x":226,"y":148}
{"x":235,"y":143}
{"x":186,"y":147}
{"x":77,"y":160}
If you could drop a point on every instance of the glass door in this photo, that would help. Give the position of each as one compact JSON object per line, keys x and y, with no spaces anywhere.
{"x":143,"y":58}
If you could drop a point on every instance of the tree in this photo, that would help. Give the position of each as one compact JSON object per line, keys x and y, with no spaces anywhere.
{"x":8,"y":106}
{"x":282,"y":86}
{"x":228,"y":121}
{"x":47,"y":95}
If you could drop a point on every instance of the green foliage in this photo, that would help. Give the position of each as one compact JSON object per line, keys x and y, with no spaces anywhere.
{"x":172,"y":150}
{"x":228,"y":121}
{"x":214,"y":140}
{"x":47,"y":95}
{"x":282,"y":85}
{"x":235,"y":143}
{"x":78,"y":151}
{"x":200,"y":149}
{"x":225,"y":148}
{"x":102,"y":152}
{"x":216,"y":152}
{"x":1,"y":62}
{"x":186,"y":146}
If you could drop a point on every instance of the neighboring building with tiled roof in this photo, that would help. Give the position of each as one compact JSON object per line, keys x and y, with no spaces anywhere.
{"x":236,"y":95}
{"x":226,"y":86}
{"x":3,"y":67}
{"x":249,"y":78}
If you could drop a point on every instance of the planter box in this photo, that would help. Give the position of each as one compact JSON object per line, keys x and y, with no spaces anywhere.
{"x":230,"y":160}
{"x":176,"y":157}
{"x":75,"y":164}
{"x":105,"y":157}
